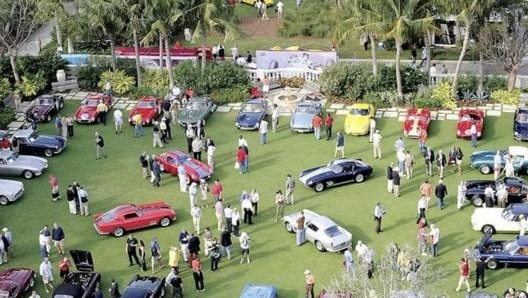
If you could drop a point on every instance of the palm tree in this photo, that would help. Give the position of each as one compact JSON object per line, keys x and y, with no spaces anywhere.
{"x":56,"y":10}
{"x":136,"y":22}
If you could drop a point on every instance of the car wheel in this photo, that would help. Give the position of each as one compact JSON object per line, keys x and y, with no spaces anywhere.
{"x":27,"y":174}
{"x":320,"y":186}
{"x":359,"y":178}
{"x":319,"y":246}
{"x":485,"y":169}
{"x":48,"y":153}
{"x":288,"y":227}
{"x":3,"y":200}
{"x":477,"y":201}
{"x":48,"y":118}
{"x":31,"y":282}
{"x":488,"y":230}
{"x":165,"y":222}
{"x":118,"y":232}
{"x":492,"y":264}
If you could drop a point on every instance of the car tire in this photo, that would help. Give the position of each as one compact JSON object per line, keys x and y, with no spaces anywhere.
{"x":48,"y":153}
{"x":165,"y":222}
{"x":477,"y":201}
{"x":31,"y":282}
{"x":488,"y":229}
{"x":319,"y":246}
{"x":118,"y":232}
{"x":48,"y":118}
{"x":28,"y":174}
{"x":319,"y":187}
{"x":288,"y":227}
{"x":3,"y":200}
{"x":485,"y":169}
{"x":359,"y":178}
{"x":492,"y":264}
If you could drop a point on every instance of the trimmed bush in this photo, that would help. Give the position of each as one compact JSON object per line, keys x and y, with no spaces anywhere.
{"x":341,"y":80}
{"x":506,"y":97}
{"x":120,"y":82}
{"x":227,"y":95}
{"x":442,"y":93}
{"x":156,"y":80}
{"x":6,"y":116}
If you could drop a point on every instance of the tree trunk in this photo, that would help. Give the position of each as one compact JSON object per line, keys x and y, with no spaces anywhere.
{"x":204,"y":55}
{"x":399,"y":89}
{"x":58,"y":33}
{"x":112,"y":49}
{"x":454,"y":86}
{"x":160,"y":53}
{"x":429,"y":51}
{"x":512,"y":77}
{"x":480,"y":87}
{"x":169,"y":62}
{"x":138,"y":62}
{"x":12,"y":59}
{"x":374,"y":57}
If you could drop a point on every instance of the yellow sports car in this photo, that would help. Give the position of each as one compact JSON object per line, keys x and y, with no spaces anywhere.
{"x":357,"y":121}
{"x":269,"y":3}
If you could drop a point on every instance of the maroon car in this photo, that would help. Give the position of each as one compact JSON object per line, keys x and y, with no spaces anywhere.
{"x":15,"y":282}
{"x":195,"y":169}
{"x":47,"y":105}
{"x":149,"y":109}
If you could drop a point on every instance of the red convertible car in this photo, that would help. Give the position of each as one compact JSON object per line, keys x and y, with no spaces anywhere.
{"x":15,"y":282}
{"x":148,"y":107}
{"x":466,"y":117}
{"x":87,"y":112}
{"x":194,"y":168}
{"x":416,"y":120}
{"x":131,"y":217}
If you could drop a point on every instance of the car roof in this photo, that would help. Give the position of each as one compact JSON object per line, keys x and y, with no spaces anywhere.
{"x":258,"y":290}
{"x":321,"y":220}
{"x":522,"y":110}
{"x":199,"y":98}
{"x":145,"y":282}
{"x":148,"y":98}
{"x":309,"y":103}
{"x":340,"y":161}
{"x":47,"y":96}
{"x":256,"y":101}
{"x":23,"y":132}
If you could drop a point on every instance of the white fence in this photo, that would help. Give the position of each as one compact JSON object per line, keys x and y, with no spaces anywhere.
{"x":521,"y":82}
{"x":275,"y":74}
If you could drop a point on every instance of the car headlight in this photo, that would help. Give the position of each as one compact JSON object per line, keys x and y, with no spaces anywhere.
{"x":459,"y":132}
{"x":236,"y":124}
{"x":516,"y":133}
{"x":257,"y":125}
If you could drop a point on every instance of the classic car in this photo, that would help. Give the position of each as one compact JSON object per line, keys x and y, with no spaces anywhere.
{"x":325,"y":234}
{"x":520,"y":124}
{"x":21,"y":165}
{"x":251,"y":113}
{"x":337,"y":172}
{"x":149,"y":109}
{"x":499,"y":220}
{"x":15,"y":282}
{"x":302,"y":116}
{"x":87,"y":112}
{"x":47,"y":105}
{"x":194,"y":168}
{"x":517,"y":189}
{"x":81,"y":283}
{"x":466,"y":117}
{"x":269,"y":3}
{"x":259,"y":290}
{"x":144,"y":287}
{"x":196,"y":110}
{"x":357,"y":121}
{"x":131,"y":217}
{"x":502,"y":252}
{"x":32,"y":143}
{"x":10,"y":191}
{"x":484,"y":159}
{"x":416,"y":120}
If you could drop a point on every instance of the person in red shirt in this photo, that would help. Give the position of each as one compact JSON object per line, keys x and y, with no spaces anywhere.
{"x":54,"y":183}
{"x":216,"y":190}
{"x":328,"y":124}
{"x":317,"y":122}
{"x":242,"y":160}
{"x":196,"y":267}
{"x":4,"y":144}
{"x":463,"y":267}
{"x":422,"y":138}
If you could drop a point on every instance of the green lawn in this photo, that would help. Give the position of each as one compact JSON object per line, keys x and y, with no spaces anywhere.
{"x":277,"y":260}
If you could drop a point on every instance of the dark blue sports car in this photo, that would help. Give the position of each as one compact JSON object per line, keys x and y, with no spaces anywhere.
{"x":259,"y":291}
{"x":337,"y":172}
{"x":520,"y":124}
{"x":144,"y":287}
{"x":503,"y":252}
{"x":251,"y":113}
{"x":32,"y":143}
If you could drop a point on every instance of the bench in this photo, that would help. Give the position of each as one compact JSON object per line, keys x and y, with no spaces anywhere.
{"x":65,"y":85}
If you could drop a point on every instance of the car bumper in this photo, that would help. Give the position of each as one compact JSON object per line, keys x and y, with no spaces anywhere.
{"x":520,"y":137}
{"x":246,"y":127}
{"x":339,"y":247}
{"x":356,"y":132}
{"x":301,"y":129}
{"x":85,"y":121}
{"x":99,"y":231}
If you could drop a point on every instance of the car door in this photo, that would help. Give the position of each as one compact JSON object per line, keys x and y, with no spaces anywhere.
{"x":311,"y":231}
{"x":510,"y":224}
{"x":133,"y":220}
{"x":3,"y":167}
{"x":346,"y":174}
{"x":24,"y":146}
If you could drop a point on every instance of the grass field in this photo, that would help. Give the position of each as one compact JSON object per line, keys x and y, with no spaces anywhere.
{"x":277,"y":260}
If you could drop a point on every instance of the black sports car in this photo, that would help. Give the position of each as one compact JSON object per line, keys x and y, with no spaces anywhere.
{"x":337,"y":172}
{"x":144,"y":287}
{"x":47,"y":106}
{"x":517,"y":190}
{"x":32,"y":143}
{"x":82,"y":283}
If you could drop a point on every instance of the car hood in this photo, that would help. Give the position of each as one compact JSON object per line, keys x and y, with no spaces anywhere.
{"x":259,"y":291}
{"x":357,"y":122}
{"x":31,"y":161}
{"x":145,"y":112}
{"x":202,"y":170}
{"x":248,"y":118}
{"x":302,"y":120}
{"x":50,"y":141}
{"x":190,"y":116}
{"x":319,"y":173}
{"x":40,"y":110}
{"x":85,"y":112}
{"x":10,"y":186}
{"x":83,"y":260}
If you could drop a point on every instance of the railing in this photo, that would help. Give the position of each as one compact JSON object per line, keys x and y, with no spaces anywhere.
{"x":275,"y":74}
{"x":521,"y":82}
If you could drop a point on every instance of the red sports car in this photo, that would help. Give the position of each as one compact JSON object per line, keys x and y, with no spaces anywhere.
{"x":15,"y":282}
{"x":131,"y":217}
{"x":466,"y":117}
{"x":416,"y":119}
{"x":194,"y":169}
{"x":87,"y":112}
{"x":148,"y":107}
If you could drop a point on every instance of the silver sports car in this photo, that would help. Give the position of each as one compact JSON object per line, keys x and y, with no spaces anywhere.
{"x":10,"y":191}
{"x":321,"y":230}
{"x":301,"y":119}
{"x":22,"y":165}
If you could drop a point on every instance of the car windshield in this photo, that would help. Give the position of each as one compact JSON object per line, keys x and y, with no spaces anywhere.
{"x":92,"y":102}
{"x":147,"y":104}
{"x":522,"y":118}
{"x":416,"y":117}
{"x":305,"y":110}
{"x":470,"y":117}
{"x":10,"y":159}
{"x":332,"y":231}
{"x":195,"y":106}
{"x":109,"y":216}
{"x":336,"y":168}
{"x":45,"y":101}
{"x":33,"y":136}
{"x":252,"y":108}
{"x":359,"y":112}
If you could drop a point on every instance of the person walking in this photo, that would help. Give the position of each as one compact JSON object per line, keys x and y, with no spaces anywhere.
{"x":254,"y":196}
{"x":193,"y":191}
{"x":340,"y":144}
{"x":309,"y":285}
{"x":389,"y":176}
{"x":54,"y":183}
{"x":435,"y":239}
{"x":463,"y":268}
{"x":196,"y":267}
{"x":378,"y":215}
{"x":196,"y":214}
{"x":156,"y":136}
{"x":242,"y":160}
{"x":280,"y":9}
{"x":143,"y":161}
{"x":422,"y":207}
{"x":459,"y":155}
{"x":263,"y":131}
{"x":99,"y":146}
{"x":409,"y":164}
{"x":184,"y":244}
{"x":422,"y":140}
{"x":275,"y":118}
{"x":429,"y":158}
{"x":300,"y":229}
{"x":156,"y":170}
{"x":245,"y":243}
{"x":396,"y":179}
{"x":46,"y":272}
{"x":441,"y":162}
{"x":83,"y":198}
{"x":9,"y":238}
{"x":182,"y":177}
{"x":130,"y":248}
{"x":57,"y":236}
{"x":372,"y":128}
{"x":317,"y":122}
{"x":219,"y":213}
{"x":225,"y":241}
{"x":473,"y":134}
{"x":329,"y":121}
{"x":290,"y":190}
{"x":426,"y":189}
{"x":376,"y":144}
{"x":155,"y":251}
{"x":461,"y":194}
{"x":235,"y":222}
{"x":349,"y":261}
{"x":440,"y":193}
{"x":279,"y":202}
{"x":71,"y":197}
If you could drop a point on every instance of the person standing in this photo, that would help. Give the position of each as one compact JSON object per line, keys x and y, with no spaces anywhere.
{"x":83,"y":198}
{"x":376,"y":144}
{"x":247,"y":207}
{"x":130,"y":248}
{"x":441,"y":162}
{"x":432,"y":73}
{"x":435,"y":238}
{"x":263,"y":131}
{"x":340,"y":144}
{"x":349,"y":261}
{"x":156,"y":170}
{"x":480,"y":263}
{"x":204,"y":190}
{"x":114,"y":290}
{"x":300,"y":229}
{"x":196,"y":267}
{"x":155,"y":251}
{"x":422,"y":140}
{"x":216,"y":255}
{"x":4,"y":249}
{"x":182,"y":177}
{"x":396,"y":178}
{"x":242,"y":160}
{"x":266,"y":80}
{"x":245,"y":242}
{"x":69,"y":126}
{"x":197,"y":146}
{"x":502,"y":195}
{"x":217,"y":190}
{"x":225,"y":241}
{"x":280,"y":8}
{"x":210,"y":148}
{"x":372,"y":128}
{"x":173,"y":110}
{"x":461,"y":194}
{"x":208,"y":239}
{"x":58,"y":125}
{"x":143,"y":161}
{"x":46,"y":272}
{"x":522,"y":225}
{"x":71,"y":196}
{"x":317,"y":122}
{"x":422,"y":207}
{"x":184,"y":244}
{"x":177,"y":286}
{"x":99,"y":146}
{"x":118,"y":121}
{"x":459,"y":155}
{"x":489,"y":196}
{"x":378,"y":215}
{"x":275,"y":118}
{"x":426,"y":189}
{"x":102,"y":109}
{"x":440,"y":193}
{"x":390,"y":173}
{"x":190,"y":133}
{"x":9,"y":237}
{"x":54,"y":183}
{"x":290,"y":190}
{"x":473,"y":133}
{"x":64,"y":267}
{"x":228,"y":214}
{"x":497,"y":165}
{"x":254,"y":196}
{"x":463,"y":268}
{"x":279,"y":202}
{"x":235,"y":222}
{"x":196,"y":213}
{"x":193,"y":191}
{"x":138,"y":125}
{"x":310,"y":282}
{"x":409,"y":164}
{"x":57,"y":236}
{"x":429,"y":161}
{"x":219,"y":213}
{"x":399,"y":145}
{"x":156,"y":136}
{"x":329,"y":122}
{"x":142,"y":255}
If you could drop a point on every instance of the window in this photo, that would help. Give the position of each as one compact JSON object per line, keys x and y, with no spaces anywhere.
{"x":312,"y":227}
{"x":130,"y":216}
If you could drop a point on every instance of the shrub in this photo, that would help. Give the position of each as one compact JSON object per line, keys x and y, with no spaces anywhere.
{"x":5,"y":89}
{"x":156,"y":80}
{"x":338,"y":79}
{"x":506,"y":97}
{"x":120,"y":82}
{"x":495,"y":83}
{"x":293,"y":82}
{"x":6,"y":116}
{"x":47,"y":64}
{"x":412,"y":79}
{"x":424,"y":99}
{"x":227,"y":95}
{"x":468,"y":83}
{"x":138,"y":92}
{"x":379,"y":99}
{"x":441,"y":93}
{"x":88,"y":77}
{"x":313,"y":18}
{"x":31,"y":85}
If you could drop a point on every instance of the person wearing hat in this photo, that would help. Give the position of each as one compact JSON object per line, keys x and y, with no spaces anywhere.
{"x":376,"y":144}
{"x":310,"y":283}
{"x":156,"y":135}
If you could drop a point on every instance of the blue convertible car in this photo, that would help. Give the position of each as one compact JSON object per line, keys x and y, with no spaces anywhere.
{"x":503,"y":252}
{"x":520,"y":124}
{"x":337,"y":172}
{"x":251,"y":113}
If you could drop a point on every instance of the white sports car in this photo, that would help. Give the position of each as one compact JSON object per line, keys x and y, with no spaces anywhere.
{"x":494,"y":220}
{"x":10,"y":191}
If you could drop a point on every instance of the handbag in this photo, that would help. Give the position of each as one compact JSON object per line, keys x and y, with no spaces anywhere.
{"x":237,"y":165}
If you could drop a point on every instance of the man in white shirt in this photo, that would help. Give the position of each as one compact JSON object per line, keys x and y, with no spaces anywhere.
{"x":280,"y":7}
{"x":473,"y":133}
{"x":378,"y":215}
{"x":118,"y":121}
{"x":196,"y":213}
{"x":432,"y":73}
{"x":461,"y":194}
{"x":489,"y":196}
{"x":242,"y":142}
{"x":435,"y":235}
{"x":372,"y":128}
{"x":46,"y":272}
{"x":254,"y":197}
{"x":228,"y":214}
{"x":502,"y":195}
{"x":275,"y":118}
{"x":497,"y":165}
{"x":234,"y":52}
{"x":263,"y":130}
{"x":376,"y":144}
